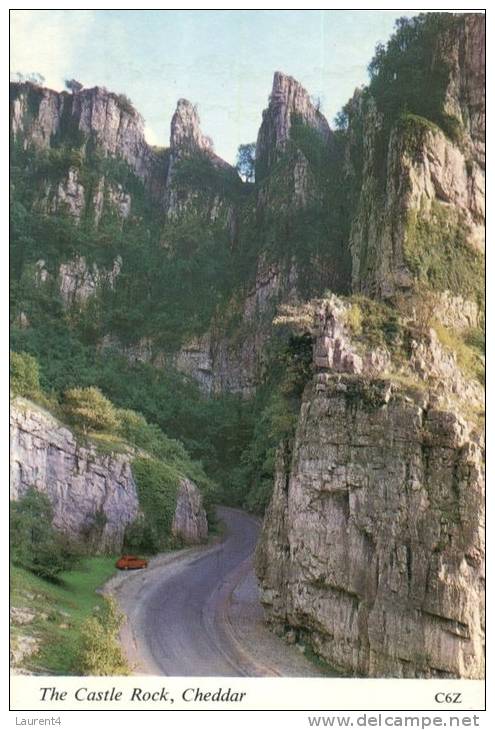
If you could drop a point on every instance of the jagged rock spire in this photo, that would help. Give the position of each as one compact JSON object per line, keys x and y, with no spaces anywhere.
{"x":288,"y":99}
{"x":185,"y":131}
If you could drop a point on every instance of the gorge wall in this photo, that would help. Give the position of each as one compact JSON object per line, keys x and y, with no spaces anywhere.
{"x":93,"y":495}
{"x":372,"y":547}
{"x":392,"y":189}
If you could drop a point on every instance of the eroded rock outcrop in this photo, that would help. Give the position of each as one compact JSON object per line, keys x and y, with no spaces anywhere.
{"x":372,"y":546}
{"x":189,"y":524}
{"x":93,"y":495}
{"x":419,"y":181}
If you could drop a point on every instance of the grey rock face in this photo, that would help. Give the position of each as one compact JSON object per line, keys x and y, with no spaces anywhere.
{"x":465,"y":50}
{"x":288,"y":99}
{"x":233,"y":364}
{"x":78,"y":281}
{"x":372,"y":547}
{"x":435,"y":172}
{"x":81,"y":484}
{"x":455,"y":312}
{"x":93,"y":495}
{"x":39,"y":115}
{"x":113,"y":196}
{"x":436,"y":365}
{"x":190,"y":524}
{"x":68,"y":196}
{"x":424,"y":169}
{"x":185,"y":130}
{"x":195,"y":359}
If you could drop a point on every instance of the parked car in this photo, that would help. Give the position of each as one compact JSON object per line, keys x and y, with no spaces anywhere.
{"x":131,"y":562}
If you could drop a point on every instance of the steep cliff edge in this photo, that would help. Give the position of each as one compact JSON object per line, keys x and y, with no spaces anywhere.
{"x":94,"y":495}
{"x":90,"y":117}
{"x":416,"y":160}
{"x":372,"y":547}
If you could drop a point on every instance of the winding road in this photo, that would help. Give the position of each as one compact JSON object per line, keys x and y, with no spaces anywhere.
{"x":196,"y":612}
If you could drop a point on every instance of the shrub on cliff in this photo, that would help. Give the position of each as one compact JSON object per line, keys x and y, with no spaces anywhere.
{"x":24,"y":374}
{"x":273,"y":424}
{"x":34,"y":543}
{"x":90,"y":410}
{"x":246,"y":161}
{"x":148,"y":436}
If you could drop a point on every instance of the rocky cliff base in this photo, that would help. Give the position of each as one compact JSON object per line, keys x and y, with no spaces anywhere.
{"x":372,"y":548}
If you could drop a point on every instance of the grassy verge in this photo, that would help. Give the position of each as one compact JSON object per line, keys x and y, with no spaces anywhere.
{"x":59,"y":612}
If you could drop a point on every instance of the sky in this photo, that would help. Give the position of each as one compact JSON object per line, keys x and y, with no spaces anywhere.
{"x":221,"y":60}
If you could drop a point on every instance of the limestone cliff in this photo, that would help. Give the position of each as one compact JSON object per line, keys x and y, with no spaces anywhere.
{"x":78,"y":282}
{"x":418,"y":174}
{"x":289,"y":101}
{"x":189,"y":524}
{"x":43,"y":117}
{"x":286,"y":185}
{"x":93,"y":495}
{"x":372,"y":547}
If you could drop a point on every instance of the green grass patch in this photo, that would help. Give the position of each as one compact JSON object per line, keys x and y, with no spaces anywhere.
{"x":376,"y":324}
{"x":468,"y":356}
{"x":61,"y":609}
{"x":107,"y":443}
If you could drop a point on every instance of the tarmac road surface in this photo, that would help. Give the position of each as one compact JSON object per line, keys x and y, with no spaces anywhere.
{"x":184,"y":631}
{"x":196,"y":612}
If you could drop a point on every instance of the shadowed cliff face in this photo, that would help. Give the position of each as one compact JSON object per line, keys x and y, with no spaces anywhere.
{"x":390,"y":206}
{"x":372,"y":547}
{"x":185,"y":132}
{"x":44,"y":118}
{"x":413,"y":175}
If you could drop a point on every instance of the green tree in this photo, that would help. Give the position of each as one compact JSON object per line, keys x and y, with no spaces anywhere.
{"x":34,"y":543}
{"x":73,"y":85}
{"x":24,"y":374}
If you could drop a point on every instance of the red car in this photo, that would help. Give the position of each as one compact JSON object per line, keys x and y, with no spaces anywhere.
{"x":131,"y":562}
